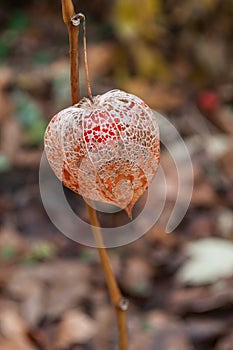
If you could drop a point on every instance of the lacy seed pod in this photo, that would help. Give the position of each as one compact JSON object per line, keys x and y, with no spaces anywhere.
{"x":106,"y":149}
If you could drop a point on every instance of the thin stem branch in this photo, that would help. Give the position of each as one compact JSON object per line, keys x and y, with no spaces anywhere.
{"x":120,"y":304}
{"x":76,"y":22}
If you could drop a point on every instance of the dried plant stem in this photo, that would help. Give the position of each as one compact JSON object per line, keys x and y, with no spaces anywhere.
{"x":68,"y":13}
{"x":120,"y":304}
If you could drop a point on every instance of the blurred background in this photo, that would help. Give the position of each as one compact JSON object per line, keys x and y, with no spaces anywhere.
{"x":177,"y":56}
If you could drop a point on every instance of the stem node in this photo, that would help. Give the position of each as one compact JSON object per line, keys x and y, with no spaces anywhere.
{"x":123,"y":304}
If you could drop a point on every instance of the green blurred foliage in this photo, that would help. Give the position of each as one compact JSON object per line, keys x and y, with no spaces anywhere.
{"x":30,"y":116}
{"x":18,"y":22}
{"x":42,"y":57}
{"x":41,"y":251}
{"x":4,"y":163}
{"x":7,"y":253}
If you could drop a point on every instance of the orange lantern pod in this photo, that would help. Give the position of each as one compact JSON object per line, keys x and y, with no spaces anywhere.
{"x":105,"y":149}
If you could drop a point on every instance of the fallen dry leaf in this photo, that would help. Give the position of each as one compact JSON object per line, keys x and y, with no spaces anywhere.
{"x":68,"y":283}
{"x":200,"y":299}
{"x":75,"y":327}
{"x":14,"y":331}
{"x":210,"y":259}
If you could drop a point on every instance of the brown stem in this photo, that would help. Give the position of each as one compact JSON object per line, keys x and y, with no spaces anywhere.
{"x":68,"y":13}
{"x":120,"y":304}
